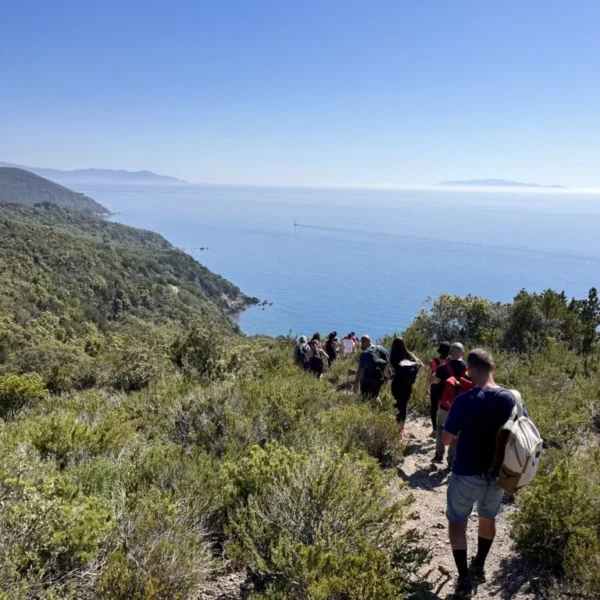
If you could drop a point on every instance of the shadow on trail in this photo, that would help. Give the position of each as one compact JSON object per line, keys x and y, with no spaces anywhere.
{"x":427,"y":478}
{"x":431,"y":596}
{"x":437,"y":591}
{"x":419,"y":448}
{"x":515,"y":575}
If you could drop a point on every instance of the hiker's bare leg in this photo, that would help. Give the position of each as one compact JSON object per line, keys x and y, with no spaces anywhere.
{"x":457,"y":532}
{"x":487,"y":528}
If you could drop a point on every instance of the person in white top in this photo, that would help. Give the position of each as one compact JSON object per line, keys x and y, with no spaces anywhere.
{"x":348,"y":345}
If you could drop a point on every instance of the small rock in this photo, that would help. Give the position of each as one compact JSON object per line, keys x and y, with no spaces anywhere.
{"x":439,"y":526}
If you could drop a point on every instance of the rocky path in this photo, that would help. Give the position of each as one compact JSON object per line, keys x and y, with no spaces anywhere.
{"x":508,"y":577}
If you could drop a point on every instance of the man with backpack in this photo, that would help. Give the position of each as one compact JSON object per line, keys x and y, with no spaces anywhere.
{"x":301,"y":352}
{"x":372,"y":364}
{"x":451,"y":377}
{"x":480,"y":417}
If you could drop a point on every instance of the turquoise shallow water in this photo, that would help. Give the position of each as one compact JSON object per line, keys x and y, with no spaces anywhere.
{"x":375,"y":256}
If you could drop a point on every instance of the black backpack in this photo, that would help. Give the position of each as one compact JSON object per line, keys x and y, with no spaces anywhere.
{"x":381,"y":357}
{"x":302,"y":351}
{"x":316,"y":362}
{"x":407,"y":371}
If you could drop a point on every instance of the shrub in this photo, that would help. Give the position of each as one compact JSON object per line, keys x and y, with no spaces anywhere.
{"x":229,"y":417}
{"x":66,"y":437}
{"x":48,"y":531}
{"x":17,"y":392}
{"x":64,"y":367}
{"x":192,"y":476}
{"x":201,"y":351}
{"x":163,"y":552}
{"x":357,"y":427}
{"x":318,"y":526}
{"x":558,"y":522}
{"x":136,"y":366}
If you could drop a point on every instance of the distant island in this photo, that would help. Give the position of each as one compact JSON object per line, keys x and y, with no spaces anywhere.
{"x":98,"y":175}
{"x":24,"y":187}
{"x":496,"y":183}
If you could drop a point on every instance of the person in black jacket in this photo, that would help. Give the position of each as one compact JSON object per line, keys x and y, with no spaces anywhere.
{"x":406,"y":367}
{"x":316,"y":359}
{"x":332,"y":347}
{"x":435,"y":390}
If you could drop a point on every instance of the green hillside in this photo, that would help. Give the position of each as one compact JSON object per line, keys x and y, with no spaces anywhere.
{"x":76,"y":223}
{"x":23,"y":187}
{"x":69,"y":280}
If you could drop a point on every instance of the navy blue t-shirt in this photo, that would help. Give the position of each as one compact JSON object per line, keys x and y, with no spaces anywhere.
{"x":477,"y":416}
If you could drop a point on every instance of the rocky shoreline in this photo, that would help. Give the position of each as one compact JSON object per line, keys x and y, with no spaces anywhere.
{"x":235,"y":306}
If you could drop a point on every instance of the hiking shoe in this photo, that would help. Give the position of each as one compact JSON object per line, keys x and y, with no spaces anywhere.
{"x":477,"y":573}
{"x":437,"y":459}
{"x":464,"y":588}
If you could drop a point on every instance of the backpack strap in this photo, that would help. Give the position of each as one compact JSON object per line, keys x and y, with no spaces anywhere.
{"x":517,"y":412}
{"x":519,"y":408}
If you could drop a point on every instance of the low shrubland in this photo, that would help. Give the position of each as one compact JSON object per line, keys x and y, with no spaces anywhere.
{"x":231,"y":456}
{"x":142,"y":464}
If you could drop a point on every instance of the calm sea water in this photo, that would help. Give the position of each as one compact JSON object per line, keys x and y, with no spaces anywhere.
{"x":369,"y":259}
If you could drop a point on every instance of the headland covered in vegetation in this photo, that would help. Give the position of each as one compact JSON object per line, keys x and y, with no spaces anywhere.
{"x":23,"y":187}
{"x":148,"y":449}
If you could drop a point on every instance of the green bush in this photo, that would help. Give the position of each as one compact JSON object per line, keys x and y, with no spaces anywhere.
{"x":66,"y":438}
{"x":163,"y":552}
{"x":319,"y":526}
{"x":47,"y":531}
{"x":136,"y":366}
{"x":201,"y":351}
{"x":357,"y":427}
{"x":558,"y":522}
{"x":18,"y":392}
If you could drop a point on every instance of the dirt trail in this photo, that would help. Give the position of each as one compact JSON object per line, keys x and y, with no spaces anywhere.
{"x":508,"y":576}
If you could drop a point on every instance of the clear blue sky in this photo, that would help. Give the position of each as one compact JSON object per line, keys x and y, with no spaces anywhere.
{"x":305,"y":92}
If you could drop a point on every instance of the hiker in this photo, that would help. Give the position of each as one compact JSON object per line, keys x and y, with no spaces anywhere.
{"x":301,"y":352}
{"x":372,"y":363}
{"x":348,"y":345}
{"x":316,"y":336}
{"x":405,"y":367}
{"x":477,"y":418}
{"x":435,"y":390}
{"x":454,"y":367}
{"x":354,"y":338}
{"x":332,"y":347}
{"x":316,"y":359}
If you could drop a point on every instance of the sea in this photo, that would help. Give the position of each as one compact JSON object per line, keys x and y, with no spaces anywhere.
{"x":368,"y":260}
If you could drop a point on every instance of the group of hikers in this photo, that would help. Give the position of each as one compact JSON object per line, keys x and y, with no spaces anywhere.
{"x":314,"y":356}
{"x":484,"y":430}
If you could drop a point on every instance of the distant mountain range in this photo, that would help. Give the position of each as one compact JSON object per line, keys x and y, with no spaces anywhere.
{"x":24,"y":187}
{"x":496,"y":183}
{"x":98,"y":175}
